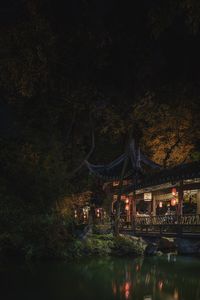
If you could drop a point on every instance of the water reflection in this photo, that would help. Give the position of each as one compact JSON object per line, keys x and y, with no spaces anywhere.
{"x":158,"y":278}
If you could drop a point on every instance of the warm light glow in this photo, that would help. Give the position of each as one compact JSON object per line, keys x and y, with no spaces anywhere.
{"x":174,"y":192}
{"x":176,"y":296}
{"x":98,"y":212}
{"x":160,"y":285}
{"x":127,"y":207}
{"x":160,"y":204}
{"x":127,"y":288}
{"x":147,"y":196}
{"x":75,"y":214}
{"x":115,"y":183}
{"x":173,"y":202}
{"x":114,"y":288}
{"x":127,"y":200}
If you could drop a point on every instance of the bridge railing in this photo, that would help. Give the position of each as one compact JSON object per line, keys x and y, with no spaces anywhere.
{"x":166,"y":224}
{"x":168,"y":220}
{"x":190,"y":220}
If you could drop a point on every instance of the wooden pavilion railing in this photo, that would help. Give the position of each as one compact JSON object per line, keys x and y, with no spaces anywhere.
{"x":164,"y":225}
{"x":168,"y":220}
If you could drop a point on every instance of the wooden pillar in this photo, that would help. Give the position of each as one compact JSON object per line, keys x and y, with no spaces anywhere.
{"x":180,"y":198}
{"x":154,"y":205}
{"x":133,"y":208}
{"x":198,"y":202}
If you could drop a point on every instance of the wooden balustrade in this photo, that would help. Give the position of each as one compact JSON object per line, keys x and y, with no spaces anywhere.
{"x":168,"y":220}
{"x":163,"y":225}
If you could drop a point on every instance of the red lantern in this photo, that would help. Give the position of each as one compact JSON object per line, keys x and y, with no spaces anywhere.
{"x":174,"y":192}
{"x":98,"y":212}
{"x":127,"y":207}
{"x":173,"y":202}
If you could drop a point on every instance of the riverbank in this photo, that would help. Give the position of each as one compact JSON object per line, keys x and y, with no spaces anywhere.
{"x":126,"y":245}
{"x":108,"y":245}
{"x":51,"y":247}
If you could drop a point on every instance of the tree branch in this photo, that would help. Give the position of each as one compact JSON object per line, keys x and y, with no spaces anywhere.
{"x":169,"y":151}
{"x":71,"y":175}
{"x":70,"y":127}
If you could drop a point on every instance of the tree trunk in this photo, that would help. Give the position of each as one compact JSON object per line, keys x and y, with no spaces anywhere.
{"x":117,"y":216}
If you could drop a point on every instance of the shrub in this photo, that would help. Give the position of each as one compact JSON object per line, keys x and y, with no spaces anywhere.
{"x":126,"y":245}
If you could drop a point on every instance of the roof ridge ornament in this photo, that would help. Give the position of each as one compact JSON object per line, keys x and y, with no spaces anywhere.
{"x":113,"y":170}
{"x":135,"y":154}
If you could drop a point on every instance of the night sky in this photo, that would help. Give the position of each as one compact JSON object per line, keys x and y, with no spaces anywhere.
{"x":124,"y":34}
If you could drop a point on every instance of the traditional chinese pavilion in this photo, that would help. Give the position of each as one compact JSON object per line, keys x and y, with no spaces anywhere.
{"x":148,"y":188}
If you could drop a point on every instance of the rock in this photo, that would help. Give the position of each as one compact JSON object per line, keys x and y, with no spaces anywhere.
{"x":187,"y":247}
{"x":159,"y":253}
{"x":102,"y":229}
{"x":151,"y":249}
{"x":167,"y":245}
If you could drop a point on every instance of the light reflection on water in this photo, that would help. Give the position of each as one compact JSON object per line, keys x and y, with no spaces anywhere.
{"x":155,"y":278}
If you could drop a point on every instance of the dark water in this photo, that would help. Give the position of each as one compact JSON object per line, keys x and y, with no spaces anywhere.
{"x":159,"y":278}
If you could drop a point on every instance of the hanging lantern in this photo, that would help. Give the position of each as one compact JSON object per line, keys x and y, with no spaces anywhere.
{"x":98,"y":212}
{"x":174,"y":192}
{"x":147,"y":196}
{"x":160,"y":204}
{"x":127,"y":207}
{"x":173,"y":202}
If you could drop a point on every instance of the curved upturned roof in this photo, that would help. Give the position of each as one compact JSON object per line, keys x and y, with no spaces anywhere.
{"x":136,"y":165}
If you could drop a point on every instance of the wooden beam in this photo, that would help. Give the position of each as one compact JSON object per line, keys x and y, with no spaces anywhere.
{"x":180,"y":198}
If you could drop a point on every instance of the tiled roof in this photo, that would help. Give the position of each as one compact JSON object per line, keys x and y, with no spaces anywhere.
{"x":177,"y":173}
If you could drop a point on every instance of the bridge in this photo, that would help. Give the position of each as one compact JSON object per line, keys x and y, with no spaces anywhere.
{"x":167,"y":225}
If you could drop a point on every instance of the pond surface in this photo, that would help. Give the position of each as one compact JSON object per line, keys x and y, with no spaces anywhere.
{"x":153,"y":278}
